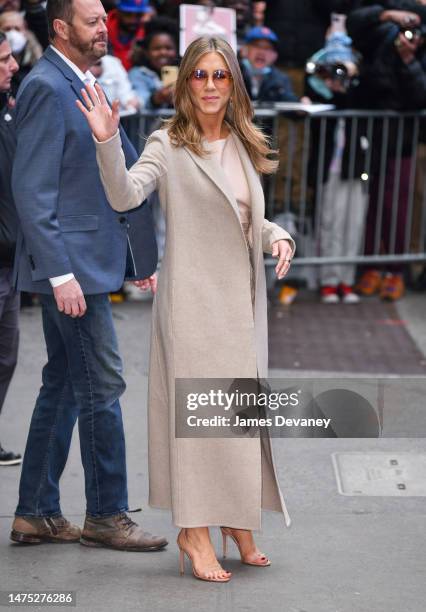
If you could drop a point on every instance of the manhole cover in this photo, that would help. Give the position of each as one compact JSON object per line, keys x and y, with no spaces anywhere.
{"x":388,"y":474}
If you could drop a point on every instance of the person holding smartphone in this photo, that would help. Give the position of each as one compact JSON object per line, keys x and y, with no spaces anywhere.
{"x":156,"y":59}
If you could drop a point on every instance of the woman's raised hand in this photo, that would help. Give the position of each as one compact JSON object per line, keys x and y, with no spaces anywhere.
{"x":102,"y":119}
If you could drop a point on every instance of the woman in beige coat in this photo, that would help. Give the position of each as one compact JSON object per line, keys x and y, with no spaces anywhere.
{"x":209,"y":314}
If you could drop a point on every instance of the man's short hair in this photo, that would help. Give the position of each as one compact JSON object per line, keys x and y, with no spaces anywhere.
{"x":58,"y":9}
{"x":2,"y":37}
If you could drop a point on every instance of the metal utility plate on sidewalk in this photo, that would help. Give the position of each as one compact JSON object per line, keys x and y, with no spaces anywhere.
{"x":380,"y":474}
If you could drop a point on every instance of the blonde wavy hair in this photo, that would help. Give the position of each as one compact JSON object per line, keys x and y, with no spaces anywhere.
{"x":184,"y":129}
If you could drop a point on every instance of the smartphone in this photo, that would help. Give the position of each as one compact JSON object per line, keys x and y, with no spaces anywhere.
{"x":169,"y":75}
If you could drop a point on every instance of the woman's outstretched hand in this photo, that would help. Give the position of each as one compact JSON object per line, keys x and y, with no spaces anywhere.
{"x":102,"y":119}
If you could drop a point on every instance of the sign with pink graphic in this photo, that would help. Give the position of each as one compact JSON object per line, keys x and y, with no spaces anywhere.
{"x":198,"y":20}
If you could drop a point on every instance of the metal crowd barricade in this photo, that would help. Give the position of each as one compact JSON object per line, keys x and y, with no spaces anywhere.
{"x":383,"y":154}
{"x":392,"y":149}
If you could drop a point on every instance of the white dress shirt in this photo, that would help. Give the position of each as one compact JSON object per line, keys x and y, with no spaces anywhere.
{"x":86,"y":77}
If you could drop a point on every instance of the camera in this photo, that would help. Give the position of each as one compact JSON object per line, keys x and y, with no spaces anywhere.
{"x":411,"y":33}
{"x":334,"y":71}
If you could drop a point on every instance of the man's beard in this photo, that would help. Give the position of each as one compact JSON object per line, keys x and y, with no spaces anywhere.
{"x":89,"y":49}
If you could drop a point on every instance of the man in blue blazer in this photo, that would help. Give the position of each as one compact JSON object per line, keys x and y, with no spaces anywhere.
{"x":73,"y":250}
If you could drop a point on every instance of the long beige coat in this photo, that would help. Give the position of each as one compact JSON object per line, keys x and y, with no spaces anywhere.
{"x":203,"y":327}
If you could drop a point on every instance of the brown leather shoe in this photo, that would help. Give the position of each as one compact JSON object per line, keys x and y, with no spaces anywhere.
{"x":119,"y":532}
{"x":35,"y":530}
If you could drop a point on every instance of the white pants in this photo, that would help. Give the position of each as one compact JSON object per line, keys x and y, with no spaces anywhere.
{"x":344,"y":206}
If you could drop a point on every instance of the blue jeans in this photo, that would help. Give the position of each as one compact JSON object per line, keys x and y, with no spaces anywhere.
{"x":82,"y":379}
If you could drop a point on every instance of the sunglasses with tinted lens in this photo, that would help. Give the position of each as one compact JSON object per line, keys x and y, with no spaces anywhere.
{"x":220,"y":77}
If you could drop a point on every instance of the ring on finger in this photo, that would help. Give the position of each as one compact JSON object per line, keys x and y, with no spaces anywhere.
{"x":90,"y":108}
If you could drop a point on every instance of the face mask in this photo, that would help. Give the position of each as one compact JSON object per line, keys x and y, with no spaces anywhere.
{"x":256,"y":71}
{"x":320,"y":87}
{"x":17,"y":41}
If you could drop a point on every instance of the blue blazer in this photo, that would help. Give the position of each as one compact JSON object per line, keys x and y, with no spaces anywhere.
{"x":67,"y":224}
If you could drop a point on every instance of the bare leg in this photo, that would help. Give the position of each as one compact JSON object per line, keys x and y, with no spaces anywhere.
{"x":249,"y":552}
{"x":196,"y":543}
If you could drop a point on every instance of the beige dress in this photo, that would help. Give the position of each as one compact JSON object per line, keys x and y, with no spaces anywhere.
{"x":209,"y":320}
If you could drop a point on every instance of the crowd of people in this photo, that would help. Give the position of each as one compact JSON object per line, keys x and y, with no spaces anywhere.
{"x":357,"y":54}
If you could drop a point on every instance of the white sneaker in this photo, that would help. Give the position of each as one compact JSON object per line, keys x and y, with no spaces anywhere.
{"x":351,"y":298}
{"x":329,"y":295}
{"x":348,"y":295}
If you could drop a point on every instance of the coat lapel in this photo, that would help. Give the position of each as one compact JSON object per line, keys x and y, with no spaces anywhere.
{"x":76,"y":84}
{"x":216,"y":174}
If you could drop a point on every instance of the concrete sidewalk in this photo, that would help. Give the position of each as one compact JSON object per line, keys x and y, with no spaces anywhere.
{"x":341,"y":554}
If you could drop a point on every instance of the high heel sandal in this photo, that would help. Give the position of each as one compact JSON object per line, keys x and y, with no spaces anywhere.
{"x":226,"y":531}
{"x":183,"y":552}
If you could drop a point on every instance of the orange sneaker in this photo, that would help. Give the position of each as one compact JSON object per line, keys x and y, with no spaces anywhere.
{"x":393,"y":287}
{"x":287,"y":295}
{"x":369,"y":283}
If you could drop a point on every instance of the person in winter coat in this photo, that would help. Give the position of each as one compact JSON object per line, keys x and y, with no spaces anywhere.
{"x":35,"y":17}
{"x":125,"y":26}
{"x":392,"y":77}
{"x":9,"y":298}
{"x":264,"y":82}
{"x":150,"y":55}
{"x":340,"y":192}
{"x":25,"y":47}
{"x":209,"y":318}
